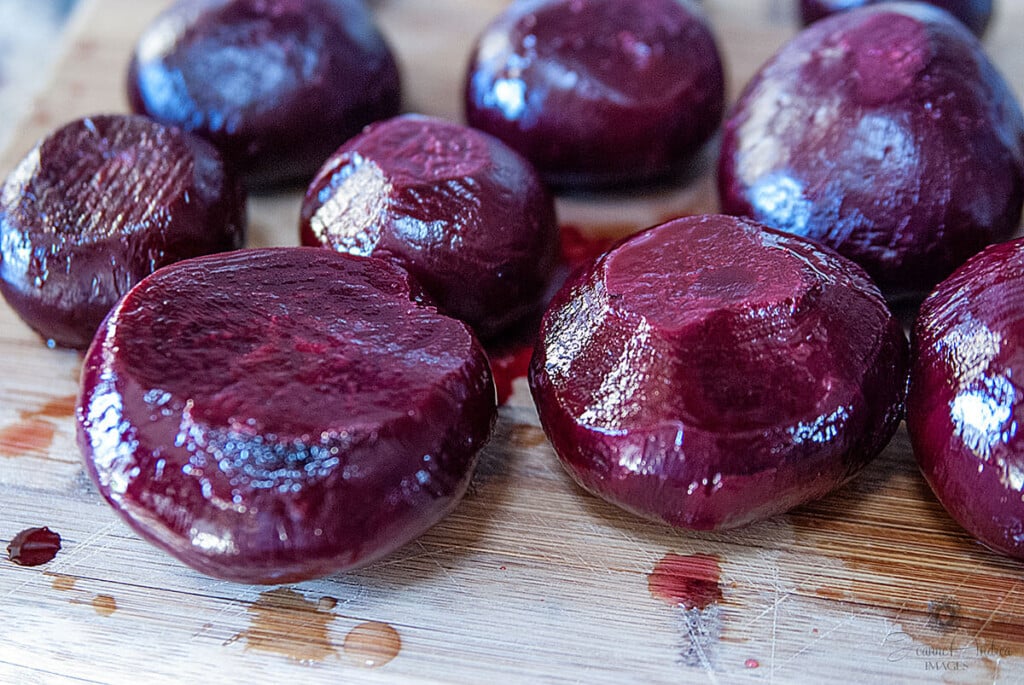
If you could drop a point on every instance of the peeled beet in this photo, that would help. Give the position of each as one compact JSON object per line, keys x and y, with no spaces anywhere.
{"x":467,"y":216}
{"x":273,"y":415}
{"x":98,"y":205}
{"x":710,"y":372}
{"x":966,"y":399}
{"x":596,"y":92}
{"x":885,"y":133}
{"x":975,"y":14}
{"x":277,"y":85}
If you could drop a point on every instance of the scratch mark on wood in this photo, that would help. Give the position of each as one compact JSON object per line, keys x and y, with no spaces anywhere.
{"x":822,"y":636}
{"x":775,"y":620}
{"x":437,"y":563}
{"x":773,"y":607}
{"x":703,"y":631}
{"x":1013,"y":588}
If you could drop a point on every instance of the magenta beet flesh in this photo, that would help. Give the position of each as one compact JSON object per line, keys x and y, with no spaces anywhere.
{"x":98,"y":205}
{"x":467,"y":216}
{"x":966,"y":399}
{"x":975,"y":14}
{"x":273,"y":415}
{"x":886,"y":133}
{"x":710,"y":372}
{"x":277,"y":85}
{"x":596,"y":92}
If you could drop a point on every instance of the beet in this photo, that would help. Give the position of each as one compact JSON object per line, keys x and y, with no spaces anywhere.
{"x":965,"y":401}
{"x":886,"y":133}
{"x":277,"y":85}
{"x":596,"y":92}
{"x":273,"y":415}
{"x":710,"y":372}
{"x":975,"y":14}
{"x":98,"y":205}
{"x":467,"y":216}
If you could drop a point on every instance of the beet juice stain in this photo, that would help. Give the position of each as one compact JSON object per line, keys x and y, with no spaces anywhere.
{"x":506,"y":367}
{"x":33,"y":546}
{"x":284,"y":622}
{"x":372,"y":644}
{"x":34,"y":434}
{"x":691,"y":585}
{"x":691,"y":582}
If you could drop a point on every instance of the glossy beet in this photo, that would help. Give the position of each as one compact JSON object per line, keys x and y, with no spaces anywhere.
{"x":467,"y":216}
{"x":885,"y":133}
{"x":596,"y":92}
{"x":966,"y":399}
{"x":277,"y":85}
{"x":98,"y":205}
{"x":975,"y":14}
{"x":273,"y":415}
{"x":710,"y":372}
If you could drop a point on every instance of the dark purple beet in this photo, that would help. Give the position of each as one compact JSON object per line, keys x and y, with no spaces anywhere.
{"x":966,"y":399}
{"x":277,"y":85}
{"x":710,"y":372}
{"x":456,"y":207}
{"x":886,"y":133}
{"x":976,"y":14}
{"x":596,"y":92}
{"x":98,"y":205}
{"x":273,"y":415}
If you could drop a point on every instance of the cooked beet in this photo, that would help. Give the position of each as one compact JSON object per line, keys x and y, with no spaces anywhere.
{"x":98,"y":205}
{"x":596,"y":92}
{"x":965,"y":401}
{"x":710,"y":372}
{"x":886,"y":133}
{"x":277,"y":85}
{"x":466,"y":215}
{"x":974,"y":13}
{"x":273,"y":415}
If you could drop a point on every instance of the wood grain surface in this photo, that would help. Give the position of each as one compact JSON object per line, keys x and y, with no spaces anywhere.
{"x":529,"y":580}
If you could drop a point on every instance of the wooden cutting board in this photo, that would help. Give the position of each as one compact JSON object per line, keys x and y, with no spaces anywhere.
{"x":530,"y":579}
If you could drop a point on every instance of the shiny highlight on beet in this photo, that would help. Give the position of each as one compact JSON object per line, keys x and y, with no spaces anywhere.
{"x":966,"y":398}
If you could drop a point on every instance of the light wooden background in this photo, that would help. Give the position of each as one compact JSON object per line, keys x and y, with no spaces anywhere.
{"x":530,"y":580}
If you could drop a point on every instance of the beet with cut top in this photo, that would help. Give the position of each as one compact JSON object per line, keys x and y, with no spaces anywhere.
{"x":98,"y":205}
{"x":710,"y":372}
{"x":596,"y":92}
{"x":466,"y":215}
{"x":277,"y":85}
{"x":886,"y":133}
{"x":273,"y":415}
{"x":966,"y":397}
{"x":975,"y":14}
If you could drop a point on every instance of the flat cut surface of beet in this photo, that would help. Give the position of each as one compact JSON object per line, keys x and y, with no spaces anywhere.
{"x":595,"y":92}
{"x":975,"y":14}
{"x":885,"y":133}
{"x":277,"y":85}
{"x":710,"y":372}
{"x":98,"y":205}
{"x":466,"y":215}
{"x":273,"y":415}
{"x":966,"y":397}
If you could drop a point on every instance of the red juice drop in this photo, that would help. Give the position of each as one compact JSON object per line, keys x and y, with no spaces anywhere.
{"x":687,"y":581}
{"x":34,"y":546}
